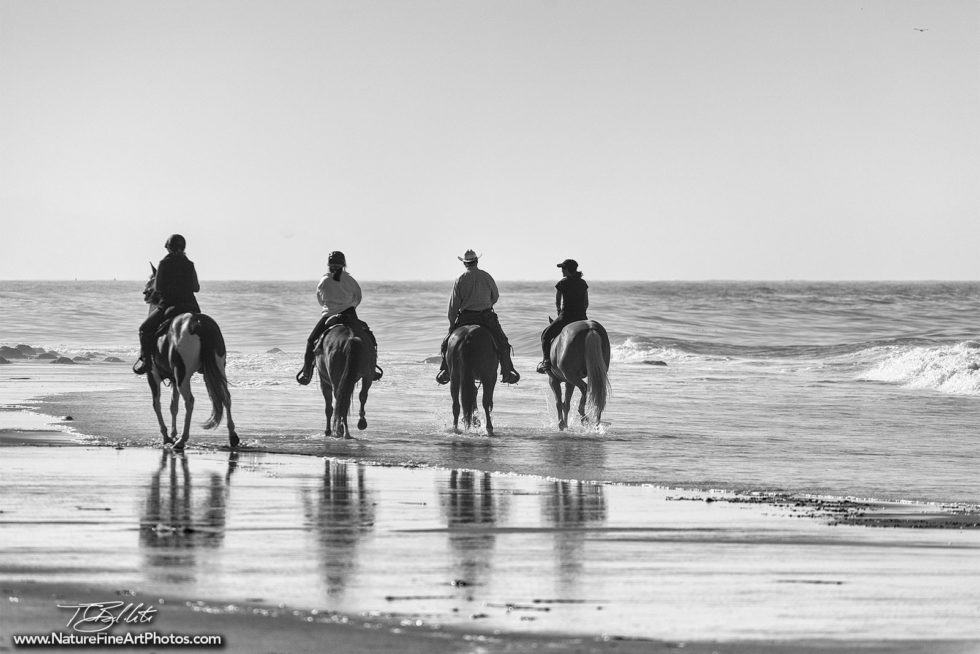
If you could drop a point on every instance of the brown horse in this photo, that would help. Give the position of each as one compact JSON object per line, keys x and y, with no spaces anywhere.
{"x":192,"y":343}
{"x":471,"y":357}
{"x":580,"y":351}
{"x":344,"y":356}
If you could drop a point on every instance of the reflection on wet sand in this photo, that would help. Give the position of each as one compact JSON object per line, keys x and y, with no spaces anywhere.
{"x":571,"y":507}
{"x":173,"y":527}
{"x":471,"y":513}
{"x":342,"y":514}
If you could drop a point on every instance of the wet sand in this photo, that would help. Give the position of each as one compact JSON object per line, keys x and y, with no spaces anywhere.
{"x":299,"y":553}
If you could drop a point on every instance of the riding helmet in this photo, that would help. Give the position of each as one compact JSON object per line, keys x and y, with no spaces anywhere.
{"x":336,"y":258}
{"x":176,"y":242}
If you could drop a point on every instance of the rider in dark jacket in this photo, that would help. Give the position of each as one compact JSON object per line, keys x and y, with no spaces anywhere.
{"x":176,"y":283}
{"x":571,"y":302}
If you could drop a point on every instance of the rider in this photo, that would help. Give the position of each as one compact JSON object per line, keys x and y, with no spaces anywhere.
{"x":571,"y":302}
{"x":175,"y":284}
{"x":339,"y":294}
{"x":474,"y":294}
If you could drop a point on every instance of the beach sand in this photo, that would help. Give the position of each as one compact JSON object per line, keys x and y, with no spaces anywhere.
{"x":282,"y":553}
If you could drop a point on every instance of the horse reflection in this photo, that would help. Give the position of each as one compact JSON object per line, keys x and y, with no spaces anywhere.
{"x":342,"y":514}
{"x":471,"y":514}
{"x":572,"y":508}
{"x":180,"y":518}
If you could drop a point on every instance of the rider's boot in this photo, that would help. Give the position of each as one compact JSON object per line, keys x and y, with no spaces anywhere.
{"x":443,"y":375}
{"x":545,"y":366}
{"x":304,"y":376}
{"x":142,"y":365}
{"x":507,"y":373}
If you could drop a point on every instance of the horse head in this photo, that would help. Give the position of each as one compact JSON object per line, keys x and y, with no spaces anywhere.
{"x":150,"y":293}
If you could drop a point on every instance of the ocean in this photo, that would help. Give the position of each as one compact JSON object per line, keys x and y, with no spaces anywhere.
{"x":865,"y":390}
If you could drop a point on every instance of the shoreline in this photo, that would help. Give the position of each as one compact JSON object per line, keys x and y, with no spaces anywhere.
{"x":423,"y":558}
{"x":526,"y":561}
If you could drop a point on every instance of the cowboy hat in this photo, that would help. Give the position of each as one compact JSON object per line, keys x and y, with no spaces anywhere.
{"x":469,"y":256}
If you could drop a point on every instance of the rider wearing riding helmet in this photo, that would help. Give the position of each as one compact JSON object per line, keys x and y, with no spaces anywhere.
{"x":339,"y":294}
{"x":175,"y":285}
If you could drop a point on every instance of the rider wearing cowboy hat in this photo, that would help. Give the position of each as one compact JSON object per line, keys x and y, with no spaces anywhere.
{"x":175,"y":283}
{"x":339,"y":294}
{"x":471,"y":303}
{"x":571,"y":302}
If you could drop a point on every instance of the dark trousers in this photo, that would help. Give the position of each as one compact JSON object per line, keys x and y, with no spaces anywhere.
{"x":486,"y":319}
{"x":552,"y":330}
{"x":157,"y":317}
{"x":349,"y":318}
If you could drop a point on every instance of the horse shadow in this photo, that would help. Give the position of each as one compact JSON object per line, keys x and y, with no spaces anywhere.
{"x":342,"y":514}
{"x":180,"y":519}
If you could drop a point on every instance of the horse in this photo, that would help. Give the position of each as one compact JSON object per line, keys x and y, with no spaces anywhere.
{"x":192,"y":343}
{"x":471,"y":356}
{"x":344,"y":356}
{"x":580,"y":351}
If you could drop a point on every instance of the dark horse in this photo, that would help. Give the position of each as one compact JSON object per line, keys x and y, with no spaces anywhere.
{"x":580,"y":351}
{"x":344,"y":356}
{"x":471,"y":357}
{"x":192,"y":343}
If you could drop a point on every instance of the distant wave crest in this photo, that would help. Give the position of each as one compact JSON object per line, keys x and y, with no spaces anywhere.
{"x":953,"y":369}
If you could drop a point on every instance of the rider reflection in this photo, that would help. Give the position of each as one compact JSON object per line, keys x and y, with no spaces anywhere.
{"x":175,"y":523}
{"x":471,"y":514}
{"x":342,"y":514}
{"x":572,"y":507}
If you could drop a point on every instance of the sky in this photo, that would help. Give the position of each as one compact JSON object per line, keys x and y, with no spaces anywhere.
{"x":648,"y":139}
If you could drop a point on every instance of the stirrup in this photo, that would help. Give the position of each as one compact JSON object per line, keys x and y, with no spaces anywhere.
{"x":544,"y":367}
{"x":141,"y":367}
{"x":443,"y":377}
{"x":304,"y":376}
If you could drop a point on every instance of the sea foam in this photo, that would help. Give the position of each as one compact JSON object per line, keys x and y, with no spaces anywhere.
{"x":953,"y":369}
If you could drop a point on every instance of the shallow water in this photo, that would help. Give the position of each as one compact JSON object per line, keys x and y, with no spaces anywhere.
{"x":471,"y":549}
{"x":867,"y":390}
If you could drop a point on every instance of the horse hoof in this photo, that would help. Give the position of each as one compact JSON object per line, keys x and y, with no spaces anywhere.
{"x":233,"y":439}
{"x":362,"y":424}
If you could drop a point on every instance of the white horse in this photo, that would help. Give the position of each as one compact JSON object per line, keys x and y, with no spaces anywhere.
{"x":579,"y":352}
{"x":192,"y":343}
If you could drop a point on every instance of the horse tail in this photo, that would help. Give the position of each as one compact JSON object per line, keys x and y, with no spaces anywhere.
{"x":467,"y":369}
{"x":213,"y":363}
{"x":354,"y":349}
{"x":597,"y":372}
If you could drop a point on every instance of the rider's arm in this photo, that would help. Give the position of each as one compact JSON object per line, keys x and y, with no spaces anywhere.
{"x":195,"y":285}
{"x":494,"y":293}
{"x":454,"y":303}
{"x":355,"y":291}
{"x":586,"y":306}
{"x":558,"y":301}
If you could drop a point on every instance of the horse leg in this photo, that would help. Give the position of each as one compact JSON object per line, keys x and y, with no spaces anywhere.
{"x":556,"y":391}
{"x":339,"y":420}
{"x":155,"y":394}
{"x":566,"y":406}
{"x":184,"y":388}
{"x":488,"y":385}
{"x":174,"y":408}
{"x":233,"y":439}
{"x":328,"y":401}
{"x":583,"y":390}
{"x":365,"y":387}
{"x":454,"y":392}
